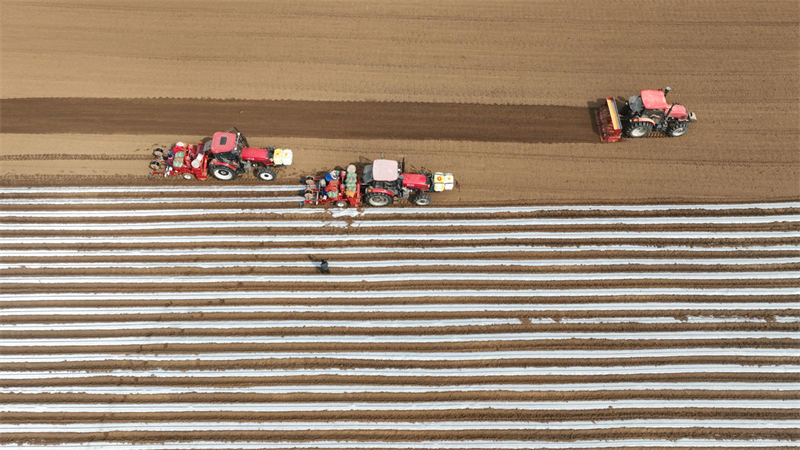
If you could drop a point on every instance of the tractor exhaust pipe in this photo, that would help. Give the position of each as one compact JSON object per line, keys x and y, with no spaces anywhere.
{"x":667,"y":90}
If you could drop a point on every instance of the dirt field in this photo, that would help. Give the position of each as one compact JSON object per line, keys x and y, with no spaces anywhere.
{"x":173,"y":314}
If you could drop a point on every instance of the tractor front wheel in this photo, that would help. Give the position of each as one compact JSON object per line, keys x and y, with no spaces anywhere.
{"x":422,"y":199}
{"x":679,"y":129}
{"x":638,"y":129}
{"x":379,"y":199}
{"x":223,"y":173}
{"x":265,"y":174}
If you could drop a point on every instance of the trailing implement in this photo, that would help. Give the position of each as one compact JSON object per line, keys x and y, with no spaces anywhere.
{"x":224,"y":156}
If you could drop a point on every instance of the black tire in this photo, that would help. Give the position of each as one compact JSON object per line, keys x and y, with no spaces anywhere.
{"x":638,"y":129}
{"x":341,"y":204}
{"x":265,"y":174}
{"x":159,"y":152}
{"x":625,"y":110}
{"x":679,"y":129}
{"x":187,"y":176}
{"x":379,"y":199}
{"x":422,"y":199}
{"x":222,"y":173}
{"x":155,"y":165}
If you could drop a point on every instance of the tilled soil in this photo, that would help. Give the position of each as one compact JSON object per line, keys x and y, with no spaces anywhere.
{"x":332,"y":120}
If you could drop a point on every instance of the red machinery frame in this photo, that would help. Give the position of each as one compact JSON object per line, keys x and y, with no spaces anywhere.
{"x":316,"y":194}
{"x":166,"y":165}
{"x":608,"y":122}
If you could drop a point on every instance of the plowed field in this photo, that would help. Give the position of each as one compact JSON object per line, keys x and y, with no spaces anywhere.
{"x":566,"y":294}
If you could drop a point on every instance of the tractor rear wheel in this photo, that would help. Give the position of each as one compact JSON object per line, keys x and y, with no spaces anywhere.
{"x":223,"y":173}
{"x":679,"y":129}
{"x":265,"y":174}
{"x":638,"y":129}
{"x":379,"y":199}
{"x":422,"y":199}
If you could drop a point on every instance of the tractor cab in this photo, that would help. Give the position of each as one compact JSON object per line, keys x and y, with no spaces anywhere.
{"x":653,"y":103}
{"x":226,"y":146}
{"x":383,"y":174}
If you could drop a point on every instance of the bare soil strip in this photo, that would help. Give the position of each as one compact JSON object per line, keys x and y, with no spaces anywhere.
{"x":315,"y":119}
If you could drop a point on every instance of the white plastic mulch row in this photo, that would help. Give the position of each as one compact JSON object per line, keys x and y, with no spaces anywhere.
{"x":123,"y":389}
{"x":511,"y":307}
{"x":393,"y":324}
{"x":409,"y":356}
{"x":407,"y":263}
{"x":365,"y":339}
{"x":268,"y":238}
{"x":189,"y":280}
{"x":161,"y":190}
{"x":673,"y":369}
{"x":396,"y":406}
{"x":154,"y":200}
{"x":382,"y":425}
{"x":261,"y":324}
{"x":434,"y":293}
{"x":378,"y":250}
{"x":238,"y":224}
{"x":403,"y":445}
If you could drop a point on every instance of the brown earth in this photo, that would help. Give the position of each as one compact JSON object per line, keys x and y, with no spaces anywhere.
{"x":319,"y":119}
{"x":469,"y":74}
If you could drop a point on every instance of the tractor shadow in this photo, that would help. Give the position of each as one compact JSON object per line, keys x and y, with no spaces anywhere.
{"x":592,"y":110}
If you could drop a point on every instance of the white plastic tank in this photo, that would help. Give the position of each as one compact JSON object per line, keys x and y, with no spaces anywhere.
{"x":287,"y":157}
{"x":438,"y":182}
{"x":449,"y":181}
{"x":277,"y":157}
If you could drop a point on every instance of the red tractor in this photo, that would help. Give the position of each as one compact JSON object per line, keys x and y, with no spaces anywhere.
{"x":379,"y":184}
{"x":225,"y":156}
{"x":642,"y":114}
